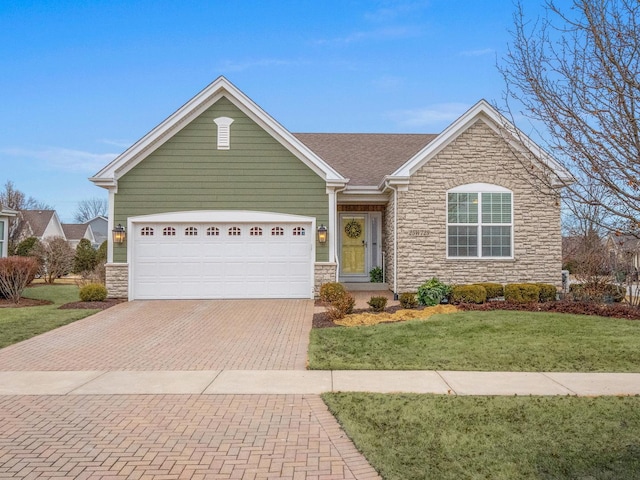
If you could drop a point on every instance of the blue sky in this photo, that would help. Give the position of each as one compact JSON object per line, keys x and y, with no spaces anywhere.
{"x":82,"y":80}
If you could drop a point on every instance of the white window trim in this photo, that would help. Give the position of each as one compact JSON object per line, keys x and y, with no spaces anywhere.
{"x":224,"y":132}
{"x":479,"y":188}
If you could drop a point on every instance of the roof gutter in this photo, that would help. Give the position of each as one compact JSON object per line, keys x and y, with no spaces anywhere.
{"x":395,"y":184}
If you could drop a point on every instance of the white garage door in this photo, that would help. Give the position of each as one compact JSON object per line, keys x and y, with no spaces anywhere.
{"x":179,"y":257}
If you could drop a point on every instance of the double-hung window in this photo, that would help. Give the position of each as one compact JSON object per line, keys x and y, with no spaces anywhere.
{"x":479,"y":222}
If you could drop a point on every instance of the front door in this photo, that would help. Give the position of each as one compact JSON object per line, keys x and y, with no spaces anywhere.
{"x":360,"y":248}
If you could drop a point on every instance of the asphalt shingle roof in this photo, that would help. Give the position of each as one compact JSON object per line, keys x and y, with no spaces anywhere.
{"x":37,"y":220}
{"x":365,"y":158}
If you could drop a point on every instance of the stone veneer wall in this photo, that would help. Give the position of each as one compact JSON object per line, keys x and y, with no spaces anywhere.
{"x":323,"y":273}
{"x":117,"y":280}
{"x":477,"y":155}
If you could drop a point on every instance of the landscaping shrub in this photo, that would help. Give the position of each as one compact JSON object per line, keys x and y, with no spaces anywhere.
{"x":408,"y":300}
{"x":468,"y":294}
{"x":522,"y":293}
{"x":494,"y":290}
{"x":597,"y":292}
{"x":342,"y":306}
{"x":375,"y":275}
{"x":15,"y":274}
{"x":548,"y":292}
{"x":26,"y":248}
{"x":102,"y":252}
{"x":614,"y":310}
{"x":56,"y":258}
{"x":330,"y":292}
{"x":432,"y":292}
{"x":94,"y":292}
{"x":86,"y":257}
{"x":377,"y":304}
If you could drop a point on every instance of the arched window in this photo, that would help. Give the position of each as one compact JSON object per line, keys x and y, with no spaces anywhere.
{"x":213,"y":232}
{"x":234,"y":231}
{"x":146,"y":232}
{"x":191,"y":232}
{"x":169,"y":232}
{"x":298,"y":231}
{"x":277,"y":232}
{"x":255,"y":232}
{"x":479,"y":221}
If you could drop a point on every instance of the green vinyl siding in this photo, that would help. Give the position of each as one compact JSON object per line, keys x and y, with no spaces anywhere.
{"x":188,"y":172}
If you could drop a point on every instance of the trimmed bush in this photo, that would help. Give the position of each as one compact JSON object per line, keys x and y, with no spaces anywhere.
{"x":408,"y":300}
{"x":377,"y":304}
{"x":341,"y":306}
{"x":330,"y":292}
{"x":94,"y":292}
{"x":468,"y":294}
{"x":548,"y":292}
{"x":522,"y":293}
{"x":376,"y":275}
{"x":597,"y":292}
{"x":26,"y":248}
{"x":15,"y":274}
{"x":494,"y":290}
{"x":86,"y":257}
{"x":432,"y":292}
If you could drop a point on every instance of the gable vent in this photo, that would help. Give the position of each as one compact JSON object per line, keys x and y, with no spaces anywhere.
{"x":224,"y":132}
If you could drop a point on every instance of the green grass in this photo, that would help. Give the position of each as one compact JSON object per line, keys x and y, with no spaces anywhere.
{"x":437,"y":437}
{"x":17,"y":324}
{"x":494,"y":341}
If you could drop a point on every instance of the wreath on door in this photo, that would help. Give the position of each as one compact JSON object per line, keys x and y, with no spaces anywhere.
{"x":353,"y":229}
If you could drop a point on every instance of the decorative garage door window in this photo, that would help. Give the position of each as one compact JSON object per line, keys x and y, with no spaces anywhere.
{"x":277,"y":232}
{"x":298,"y":232}
{"x":169,"y":232}
{"x":234,"y":231}
{"x":146,"y":232}
{"x":191,"y":231}
{"x":255,"y":232}
{"x":213,"y":231}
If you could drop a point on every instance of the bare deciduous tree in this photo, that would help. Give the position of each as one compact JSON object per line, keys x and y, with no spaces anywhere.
{"x":576,"y":73}
{"x":90,"y":208}
{"x":14,"y":199}
{"x":56,"y":258}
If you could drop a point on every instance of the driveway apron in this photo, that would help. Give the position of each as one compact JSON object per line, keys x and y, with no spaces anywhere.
{"x":174,"y":436}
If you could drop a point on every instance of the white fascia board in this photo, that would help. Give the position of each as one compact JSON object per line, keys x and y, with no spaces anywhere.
{"x":221,"y":216}
{"x":481,"y":111}
{"x":7,"y":212}
{"x":108,"y":176}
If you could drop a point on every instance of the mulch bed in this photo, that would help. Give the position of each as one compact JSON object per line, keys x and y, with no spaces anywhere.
{"x":109,"y":302}
{"x":613,"y":310}
{"x":24,"y":302}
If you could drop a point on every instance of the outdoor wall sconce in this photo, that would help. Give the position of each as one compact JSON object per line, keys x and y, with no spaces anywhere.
{"x":322,"y":234}
{"x":118,"y":234}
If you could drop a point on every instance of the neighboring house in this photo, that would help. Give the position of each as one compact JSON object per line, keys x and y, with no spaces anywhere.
{"x":221,"y":201}
{"x":100,"y":229}
{"x":5,"y":215}
{"x":40,"y":224}
{"x":624,"y":252}
{"x":74,"y":232}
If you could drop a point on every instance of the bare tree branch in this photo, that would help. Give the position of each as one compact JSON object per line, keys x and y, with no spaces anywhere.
{"x":576,"y":75}
{"x":91,"y":208}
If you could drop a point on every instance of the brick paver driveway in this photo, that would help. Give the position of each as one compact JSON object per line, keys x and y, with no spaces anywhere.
{"x":175,"y":335}
{"x":174,"y":436}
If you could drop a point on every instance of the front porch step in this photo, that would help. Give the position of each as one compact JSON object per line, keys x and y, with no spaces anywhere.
{"x":365,"y":286}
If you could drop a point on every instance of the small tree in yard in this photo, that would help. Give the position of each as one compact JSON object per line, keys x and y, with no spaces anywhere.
{"x":56,"y":258}
{"x":15,"y":274}
{"x":86,"y":257}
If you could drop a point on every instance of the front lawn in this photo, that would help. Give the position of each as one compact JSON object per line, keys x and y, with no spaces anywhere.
{"x":17,"y":324}
{"x":486,"y":341}
{"x":423,"y":437}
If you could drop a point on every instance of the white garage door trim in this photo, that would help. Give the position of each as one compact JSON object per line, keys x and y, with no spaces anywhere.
{"x":297,"y":285}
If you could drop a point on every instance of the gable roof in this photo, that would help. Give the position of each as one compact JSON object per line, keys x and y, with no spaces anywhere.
{"x":221,"y":87}
{"x":483,"y":111}
{"x":365,"y":158}
{"x":36,"y":220}
{"x":75,"y":231}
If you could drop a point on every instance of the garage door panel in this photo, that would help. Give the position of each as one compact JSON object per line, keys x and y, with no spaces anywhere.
{"x":222,"y":265}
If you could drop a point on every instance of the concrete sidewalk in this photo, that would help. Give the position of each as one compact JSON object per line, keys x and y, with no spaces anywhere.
{"x":278,"y":382}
